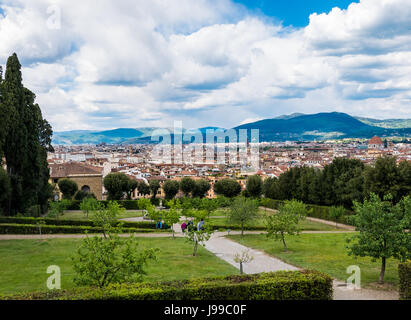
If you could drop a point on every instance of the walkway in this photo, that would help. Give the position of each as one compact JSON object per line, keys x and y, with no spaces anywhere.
{"x":226,"y":249}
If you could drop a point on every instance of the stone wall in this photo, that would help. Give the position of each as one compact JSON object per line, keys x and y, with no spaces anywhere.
{"x":94,"y":182}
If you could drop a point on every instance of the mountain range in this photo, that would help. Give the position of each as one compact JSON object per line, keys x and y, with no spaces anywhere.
{"x":293,"y":127}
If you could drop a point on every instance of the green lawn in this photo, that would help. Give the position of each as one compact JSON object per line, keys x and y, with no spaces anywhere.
{"x":79,"y":215}
{"x":24,"y":262}
{"x":305,"y":225}
{"x":323,"y":252}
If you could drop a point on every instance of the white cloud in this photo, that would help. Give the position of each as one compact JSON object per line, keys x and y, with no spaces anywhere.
{"x":207,"y":62}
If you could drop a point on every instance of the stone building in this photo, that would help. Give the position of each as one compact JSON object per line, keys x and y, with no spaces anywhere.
{"x":88,"y":178}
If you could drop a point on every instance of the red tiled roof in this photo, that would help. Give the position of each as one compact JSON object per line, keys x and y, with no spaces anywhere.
{"x":375,"y":140}
{"x":72,"y":168}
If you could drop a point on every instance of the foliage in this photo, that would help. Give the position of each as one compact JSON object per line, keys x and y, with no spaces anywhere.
{"x":88,"y":205}
{"x":171,"y":217}
{"x":101,"y":261}
{"x":20,"y":228}
{"x":131,"y":186}
{"x":5,"y":189}
{"x":404,"y":271}
{"x":198,"y":236}
{"x":154,"y":186}
{"x":143,"y":188}
{"x":171,"y":188}
{"x":281,"y":285}
{"x":243,"y":212}
{"x":337,"y":213}
{"x":201,"y":187}
{"x":187,"y":185}
{"x":254,"y":186}
{"x":286,"y":220}
{"x":116,"y":184}
{"x":25,"y":139}
{"x":57,"y":208}
{"x":382,"y":230}
{"x":106,"y":217}
{"x":81,"y":195}
{"x":242,"y":258}
{"x":68,"y":188}
{"x":227,"y":187}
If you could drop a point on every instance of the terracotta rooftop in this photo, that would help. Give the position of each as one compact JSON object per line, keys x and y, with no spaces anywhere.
{"x":375,"y":140}
{"x":72,"y":168}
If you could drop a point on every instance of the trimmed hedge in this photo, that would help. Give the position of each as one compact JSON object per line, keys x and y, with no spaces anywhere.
{"x":61,"y":222}
{"x":126,"y":204}
{"x":235,"y":227}
{"x":282,"y":285}
{"x":320,"y":212}
{"x":14,"y":228}
{"x":404,"y":272}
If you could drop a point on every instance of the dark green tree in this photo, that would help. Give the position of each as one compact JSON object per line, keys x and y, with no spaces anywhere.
{"x":154,"y":187}
{"x":227,"y":187}
{"x":25,"y":138}
{"x":68,"y":188}
{"x":143,"y":188}
{"x":202,"y":186}
{"x":171,"y":188}
{"x":117,"y":185}
{"x":254,"y":186}
{"x":187,"y":185}
{"x":4,"y":189}
{"x":132,"y":185}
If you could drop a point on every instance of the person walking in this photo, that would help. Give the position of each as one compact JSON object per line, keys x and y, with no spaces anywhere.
{"x":183,"y":227}
{"x":200,"y":225}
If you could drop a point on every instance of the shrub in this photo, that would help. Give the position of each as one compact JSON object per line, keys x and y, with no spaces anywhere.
{"x":404,"y":271}
{"x":68,"y":188}
{"x":282,"y":285}
{"x":10,"y":228}
{"x":60,"y":222}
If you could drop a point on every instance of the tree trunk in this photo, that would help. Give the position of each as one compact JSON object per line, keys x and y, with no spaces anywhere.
{"x":285,"y":245}
{"x":241,"y":267}
{"x":381,"y":279}
{"x":242,"y":230}
{"x":195,"y":248}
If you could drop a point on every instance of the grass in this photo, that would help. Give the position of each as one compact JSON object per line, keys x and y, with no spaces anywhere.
{"x":323,"y":252}
{"x":79,"y":215}
{"x":24,"y":262}
{"x":306,"y":225}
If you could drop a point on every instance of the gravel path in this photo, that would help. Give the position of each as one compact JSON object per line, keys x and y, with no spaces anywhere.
{"x":226,"y":249}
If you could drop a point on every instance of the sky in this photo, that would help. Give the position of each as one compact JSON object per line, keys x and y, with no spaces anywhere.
{"x":103,"y":64}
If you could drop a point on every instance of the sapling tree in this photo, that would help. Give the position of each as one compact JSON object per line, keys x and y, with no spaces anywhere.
{"x":382,"y":230}
{"x":198,"y":237}
{"x":208,"y":205}
{"x":286,"y":220}
{"x":101,"y":261}
{"x":242,"y":258}
{"x":243,"y":212}
{"x":107,"y":217}
{"x":336,"y":213}
{"x":57,"y":208}
{"x":171,"y":217}
{"x":88,"y":205}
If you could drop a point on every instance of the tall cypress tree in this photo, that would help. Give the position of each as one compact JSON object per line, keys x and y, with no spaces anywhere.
{"x":27,"y":140}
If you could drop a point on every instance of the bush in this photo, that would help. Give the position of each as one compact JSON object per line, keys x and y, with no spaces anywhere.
{"x":15,"y":228}
{"x":314,"y":211}
{"x":282,"y":285}
{"x":404,"y":271}
{"x":60,"y":222}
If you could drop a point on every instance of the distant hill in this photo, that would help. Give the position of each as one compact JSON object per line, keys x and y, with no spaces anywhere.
{"x":318,"y":126}
{"x":387,"y":123}
{"x":294,"y":127}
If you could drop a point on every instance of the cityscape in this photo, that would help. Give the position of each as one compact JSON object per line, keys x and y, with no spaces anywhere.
{"x":205,"y":159}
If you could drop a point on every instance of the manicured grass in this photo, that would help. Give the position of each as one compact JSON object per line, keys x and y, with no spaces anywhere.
{"x":323,"y":252}
{"x":24,"y":262}
{"x":306,"y":225}
{"x":79,"y":215}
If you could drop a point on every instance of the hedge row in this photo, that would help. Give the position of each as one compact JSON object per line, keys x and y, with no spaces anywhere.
{"x":404,"y":271}
{"x":14,"y":228}
{"x":61,"y":222}
{"x":316,"y":211}
{"x":282,"y":285}
{"x":235,"y":227}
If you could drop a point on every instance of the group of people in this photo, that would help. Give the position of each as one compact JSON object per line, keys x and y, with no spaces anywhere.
{"x":190,"y":226}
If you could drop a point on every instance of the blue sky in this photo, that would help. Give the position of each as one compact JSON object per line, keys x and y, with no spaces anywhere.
{"x":139,"y":63}
{"x":293,"y":12}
